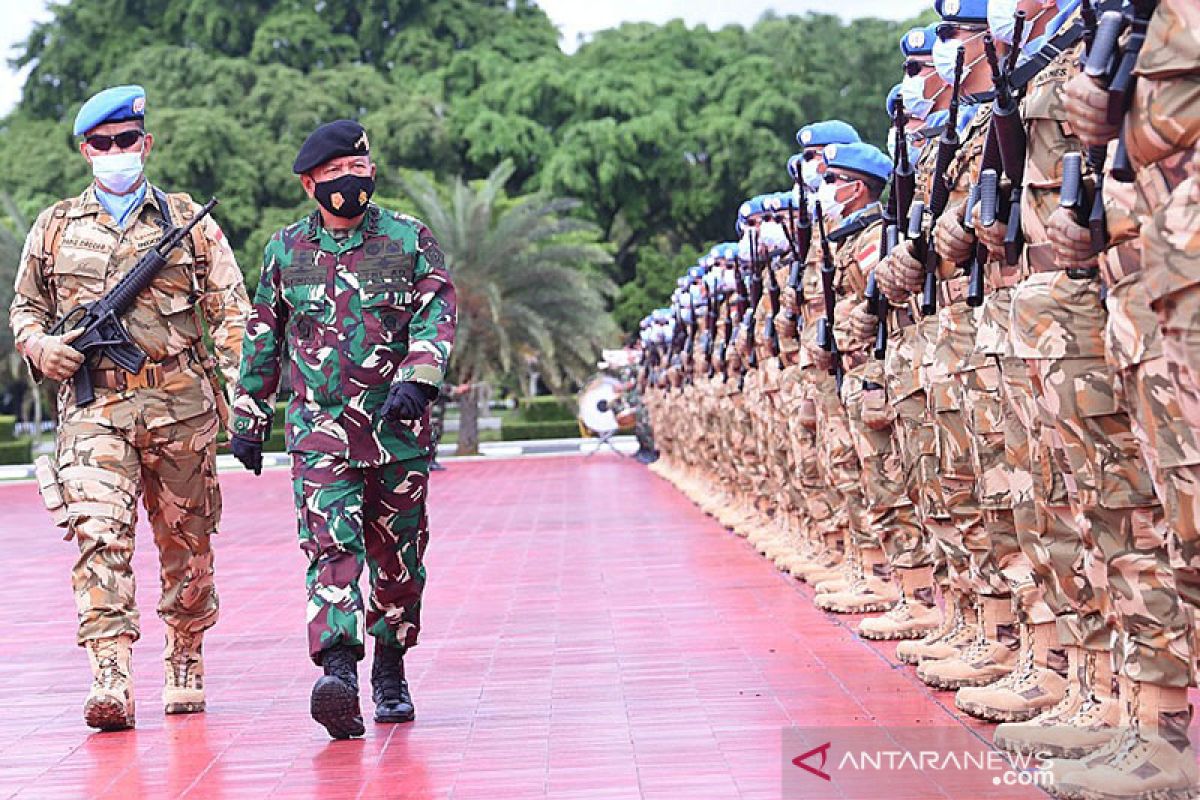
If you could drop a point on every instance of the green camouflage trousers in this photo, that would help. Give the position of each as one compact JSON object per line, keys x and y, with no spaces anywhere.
{"x":106,"y":459}
{"x":349,"y":515}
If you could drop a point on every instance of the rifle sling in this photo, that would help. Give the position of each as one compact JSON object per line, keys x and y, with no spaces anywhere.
{"x":855,"y":226}
{"x":1053,"y":48}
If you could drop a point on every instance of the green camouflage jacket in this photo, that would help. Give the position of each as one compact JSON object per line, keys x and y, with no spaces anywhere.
{"x":351,"y":317}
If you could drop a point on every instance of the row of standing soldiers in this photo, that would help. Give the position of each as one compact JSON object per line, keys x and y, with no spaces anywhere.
{"x":958,"y":388}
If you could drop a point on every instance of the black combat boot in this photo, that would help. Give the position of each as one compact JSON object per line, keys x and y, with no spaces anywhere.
{"x":389,"y":690}
{"x":334,"y":701}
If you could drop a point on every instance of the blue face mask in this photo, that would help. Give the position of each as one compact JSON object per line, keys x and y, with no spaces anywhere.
{"x":945,"y":56}
{"x":119,"y":172}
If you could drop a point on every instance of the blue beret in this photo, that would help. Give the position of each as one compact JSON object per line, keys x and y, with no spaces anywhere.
{"x":695,"y":272}
{"x":832,"y":131}
{"x":965,"y":11}
{"x":115,"y":104}
{"x":793,"y":166}
{"x":343,"y":137}
{"x":919,"y":41}
{"x":893,"y":95}
{"x":859,"y":157}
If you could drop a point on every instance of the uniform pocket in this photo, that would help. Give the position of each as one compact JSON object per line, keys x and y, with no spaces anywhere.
{"x":386,"y":316}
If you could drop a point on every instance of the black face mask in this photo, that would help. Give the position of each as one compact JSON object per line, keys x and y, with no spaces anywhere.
{"x":346,"y":196}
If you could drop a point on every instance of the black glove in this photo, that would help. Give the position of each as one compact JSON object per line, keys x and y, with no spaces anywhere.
{"x":247,"y":451}
{"x":407,"y":400}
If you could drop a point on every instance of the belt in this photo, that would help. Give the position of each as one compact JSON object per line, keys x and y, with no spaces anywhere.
{"x":1084,"y":274}
{"x":1005,"y":277}
{"x":901,"y":318}
{"x":952,"y":291}
{"x":1121,"y":261}
{"x":151,"y":375}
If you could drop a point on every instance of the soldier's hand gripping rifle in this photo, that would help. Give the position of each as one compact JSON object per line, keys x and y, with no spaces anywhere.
{"x":1136,"y":17}
{"x":939,"y":196}
{"x":1010,"y":136}
{"x":773,"y":292}
{"x":754,"y":289}
{"x":826,"y":339}
{"x":103,"y":335}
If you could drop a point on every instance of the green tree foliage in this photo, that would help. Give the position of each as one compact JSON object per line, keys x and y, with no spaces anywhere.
{"x":658,"y":131}
{"x":529,"y":279}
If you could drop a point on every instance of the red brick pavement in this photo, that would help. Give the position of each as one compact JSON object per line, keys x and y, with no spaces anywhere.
{"x":589,"y":634}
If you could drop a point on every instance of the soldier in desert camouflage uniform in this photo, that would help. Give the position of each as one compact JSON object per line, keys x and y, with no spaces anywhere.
{"x":151,"y":433}
{"x":361,"y":299}
{"x":1154,"y":273}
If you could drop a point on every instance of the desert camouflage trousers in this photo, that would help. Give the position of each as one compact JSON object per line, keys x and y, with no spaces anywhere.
{"x":349,"y":516}
{"x":890,"y":515}
{"x":106,"y":460}
{"x":1120,"y":520}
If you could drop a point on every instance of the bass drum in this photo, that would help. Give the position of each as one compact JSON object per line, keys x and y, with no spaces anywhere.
{"x":601,"y":410}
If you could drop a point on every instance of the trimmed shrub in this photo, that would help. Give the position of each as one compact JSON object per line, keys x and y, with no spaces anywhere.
{"x":16,"y":452}
{"x":546,"y":409}
{"x":555,"y":429}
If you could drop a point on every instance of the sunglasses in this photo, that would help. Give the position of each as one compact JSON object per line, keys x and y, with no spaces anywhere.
{"x":913,"y":67}
{"x":948,"y":30}
{"x":123,"y":140}
{"x":833,"y":177}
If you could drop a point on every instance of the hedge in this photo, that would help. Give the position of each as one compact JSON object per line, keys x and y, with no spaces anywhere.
{"x":557,"y":429}
{"x":16,"y":452}
{"x":8,"y":424}
{"x":546,"y":409}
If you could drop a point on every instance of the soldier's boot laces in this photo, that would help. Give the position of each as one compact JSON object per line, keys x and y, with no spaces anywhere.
{"x":844,"y":575}
{"x":389,"y":689}
{"x":871,"y":588}
{"x":1091,"y":733}
{"x":334,"y":701}
{"x":1152,"y":758}
{"x":1037,"y":683}
{"x":183,"y":666}
{"x":992,"y":656}
{"x":948,"y":639}
{"x":109,"y":705}
{"x":916,"y":613}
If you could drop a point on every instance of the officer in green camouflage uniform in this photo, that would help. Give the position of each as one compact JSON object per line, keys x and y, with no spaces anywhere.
{"x":149,"y":434}
{"x":360,"y":300}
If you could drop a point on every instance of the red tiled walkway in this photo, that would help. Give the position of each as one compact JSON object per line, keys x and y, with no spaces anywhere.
{"x":589,"y":634}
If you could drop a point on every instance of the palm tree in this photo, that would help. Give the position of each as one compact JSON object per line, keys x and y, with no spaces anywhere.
{"x":529,"y":283}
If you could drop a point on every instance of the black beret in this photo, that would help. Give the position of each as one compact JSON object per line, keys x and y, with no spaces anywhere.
{"x":342,"y":137}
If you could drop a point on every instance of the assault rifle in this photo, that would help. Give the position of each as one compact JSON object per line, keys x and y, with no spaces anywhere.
{"x":939,"y":196}
{"x":104,"y":336}
{"x":1010,"y":136}
{"x":825,"y":336}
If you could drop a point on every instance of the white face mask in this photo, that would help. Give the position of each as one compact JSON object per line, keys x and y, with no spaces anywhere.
{"x":119,"y":172}
{"x":729,"y":280}
{"x":945,"y":56}
{"x":831,"y":207}
{"x":912,"y":92}
{"x":810,"y":175}
{"x":1002,"y":19}
{"x":772,"y":236}
{"x":744,"y":247}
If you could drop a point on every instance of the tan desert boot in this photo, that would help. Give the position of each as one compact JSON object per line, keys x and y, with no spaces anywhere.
{"x":1093,"y":730}
{"x":916,"y":613}
{"x":109,"y":704}
{"x":1038,"y":683}
{"x":1154,"y":758}
{"x":872,"y":589}
{"x":989,"y":658}
{"x":183,"y":665}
